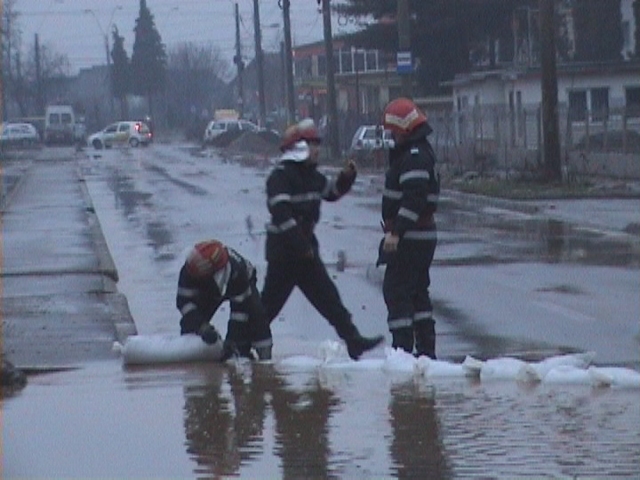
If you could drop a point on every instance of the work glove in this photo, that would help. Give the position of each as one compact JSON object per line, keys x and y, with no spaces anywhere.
{"x":209,"y":334}
{"x":346,"y":177}
{"x":350,"y":169}
{"x":390,"y":243}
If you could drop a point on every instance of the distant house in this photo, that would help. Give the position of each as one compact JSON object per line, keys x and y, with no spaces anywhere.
{"x":589,"y":96}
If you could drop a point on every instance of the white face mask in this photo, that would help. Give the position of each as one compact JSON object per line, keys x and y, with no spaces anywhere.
{"x":299,"y":152}
{"x":221,"y":278}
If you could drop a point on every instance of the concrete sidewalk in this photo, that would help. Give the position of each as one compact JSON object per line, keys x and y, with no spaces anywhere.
{"x":60,"y":305}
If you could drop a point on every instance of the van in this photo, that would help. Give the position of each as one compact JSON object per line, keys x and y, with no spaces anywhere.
{"x":59,"y":124}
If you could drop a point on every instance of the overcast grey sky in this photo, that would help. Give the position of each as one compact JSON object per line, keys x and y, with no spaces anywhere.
{"x":76,"y":27}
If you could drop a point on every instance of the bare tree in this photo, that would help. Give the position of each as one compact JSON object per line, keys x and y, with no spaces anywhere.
{"x":10,"y":42}
{"x":194,"y":80}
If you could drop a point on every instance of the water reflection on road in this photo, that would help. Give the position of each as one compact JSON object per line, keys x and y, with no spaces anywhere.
{"x":264,"y":421}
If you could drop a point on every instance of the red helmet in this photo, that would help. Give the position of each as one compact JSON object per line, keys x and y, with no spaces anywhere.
{"x":401,"y":116}
{"x":303,"y":130}
{"x":207,"y":258}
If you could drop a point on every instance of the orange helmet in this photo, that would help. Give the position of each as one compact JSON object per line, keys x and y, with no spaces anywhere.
{"x":401,"y":116}
{"x":305,"y":129}
{"x":207,"y":258}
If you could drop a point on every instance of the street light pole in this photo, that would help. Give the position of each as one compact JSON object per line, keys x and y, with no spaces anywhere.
{"x":259,"y":64}
{"x":105,"y":35}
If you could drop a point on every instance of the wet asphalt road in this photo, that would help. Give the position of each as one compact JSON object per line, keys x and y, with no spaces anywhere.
{"x":275,"y":421}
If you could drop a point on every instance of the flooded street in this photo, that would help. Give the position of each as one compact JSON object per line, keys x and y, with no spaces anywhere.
{"x":504,"y":283}
{"x":265,"y":421}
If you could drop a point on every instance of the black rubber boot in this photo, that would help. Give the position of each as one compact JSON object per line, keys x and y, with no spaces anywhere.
{"x":403,"y":338}
{"x":357,"y":344}
{"x":425,"y":333}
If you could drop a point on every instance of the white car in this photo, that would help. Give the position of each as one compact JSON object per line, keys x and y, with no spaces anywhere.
{"x":218,"y":127}
{"x":18,"y":135}
{"x":371,"y":137}
{"x":121,"y":133}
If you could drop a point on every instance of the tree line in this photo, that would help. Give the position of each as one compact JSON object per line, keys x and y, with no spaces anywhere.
{"x":185,"y":74}
{"x":447,"y":37}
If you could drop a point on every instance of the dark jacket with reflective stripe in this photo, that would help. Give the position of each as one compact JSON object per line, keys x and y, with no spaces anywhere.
{"x":411,"y":187}
{"x":199,"y":298}
{"x":295,"y":191}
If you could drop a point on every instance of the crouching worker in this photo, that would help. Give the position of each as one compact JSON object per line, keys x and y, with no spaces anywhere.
{"x":211,"y":275}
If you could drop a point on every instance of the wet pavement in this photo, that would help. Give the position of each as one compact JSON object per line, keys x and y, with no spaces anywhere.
{"x":96,"y":418}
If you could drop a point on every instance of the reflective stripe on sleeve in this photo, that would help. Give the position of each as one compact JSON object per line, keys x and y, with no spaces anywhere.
{"x":392,"y":194}
{"x":282,"y":198}
{"x":403,"y":212}
{"x":242,"y":297}
{"x":187,"y":292}
{"x":239,"y":317}
{"x":283,"y":227}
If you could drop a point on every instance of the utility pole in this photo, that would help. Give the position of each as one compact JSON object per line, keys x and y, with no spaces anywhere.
{"x":332,"y":109}
{"x":549,"y":85}
{"x":39,"y":88}
{"x":9,"y":76}
{"x":259,"y":63}
{"x":239,"y":63}
{"x":288,"y":62}
{"x":404,"y":49}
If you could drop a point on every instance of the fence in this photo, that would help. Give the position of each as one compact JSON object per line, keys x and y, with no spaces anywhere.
{"x":490,"y":138}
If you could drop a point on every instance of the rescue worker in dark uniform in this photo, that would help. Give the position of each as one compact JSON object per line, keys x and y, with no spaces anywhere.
{"x":212,"y":274}
{"x":295,"y":190}
{"x":409,"y":201}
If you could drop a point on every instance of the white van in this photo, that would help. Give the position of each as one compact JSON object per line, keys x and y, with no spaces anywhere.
{"x":59,"y":124}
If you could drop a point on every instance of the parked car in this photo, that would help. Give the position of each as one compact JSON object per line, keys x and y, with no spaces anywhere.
{"x":59,"y":124}
{"x":369,"y":138}
{"x":218,"y":127}
{"x":18,"y":135}
{"x":122,"y":134}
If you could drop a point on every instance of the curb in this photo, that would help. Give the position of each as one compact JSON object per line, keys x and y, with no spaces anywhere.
{"x":106,"y":265}
{"x":5,"y":198}
{"x":123,"y":320}
{"x":474,"y":199}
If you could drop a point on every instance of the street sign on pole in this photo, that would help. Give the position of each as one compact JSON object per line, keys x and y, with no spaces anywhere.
{"x":404,"y":63}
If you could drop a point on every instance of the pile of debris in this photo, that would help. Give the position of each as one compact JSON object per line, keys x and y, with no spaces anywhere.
{"x":248,"y":147}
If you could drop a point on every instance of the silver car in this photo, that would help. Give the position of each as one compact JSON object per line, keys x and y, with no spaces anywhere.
{"x":18,"y":135}
{"x":370,"y":137}
{"x":218,"y":127}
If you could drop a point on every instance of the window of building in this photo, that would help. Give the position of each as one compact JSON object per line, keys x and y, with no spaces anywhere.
{"x":371,"y":60}
{"x":346,"y":63}
{"x":322,"y":65}
{"x":578,"y":105}
{"x":358,"y":60}
{"x":632,"y":102}
{"x":303,"y":67}
{"x":599,"y":104}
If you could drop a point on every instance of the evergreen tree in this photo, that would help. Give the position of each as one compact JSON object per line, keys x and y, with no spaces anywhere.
{"x":149,"y":58}
{"x":120,"y":73}
{"x":598,"y":28}
{"x":443,"y":33}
